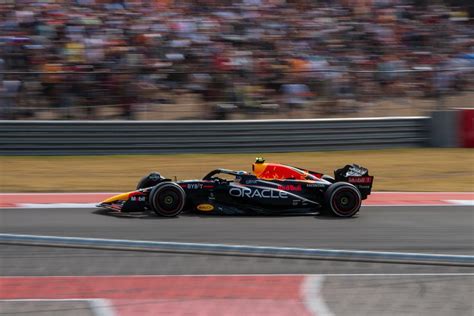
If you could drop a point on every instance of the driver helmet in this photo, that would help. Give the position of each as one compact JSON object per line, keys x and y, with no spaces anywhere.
{"x":239,"y":175}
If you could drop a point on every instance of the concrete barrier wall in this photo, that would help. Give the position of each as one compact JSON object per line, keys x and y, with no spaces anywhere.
{"x":452,"y":128}
{"x":444,"y":129}
{"x":157,"y":137}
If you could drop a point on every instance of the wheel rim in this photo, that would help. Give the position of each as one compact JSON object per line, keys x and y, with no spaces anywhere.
{"x":169,"y":201}
{"x":345,"y":202}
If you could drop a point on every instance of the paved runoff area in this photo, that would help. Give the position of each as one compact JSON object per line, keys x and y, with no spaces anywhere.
{"x":39,"y":280}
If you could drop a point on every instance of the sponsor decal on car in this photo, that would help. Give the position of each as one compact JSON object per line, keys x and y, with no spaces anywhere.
{"x":290,"y":187}
{"x":205,"y":207}
{"x":316,"y":185}
{"x":193,"y":186}
{"x":361,"y":180}
{"x":299,"y":202}
{"x":261,"y":193}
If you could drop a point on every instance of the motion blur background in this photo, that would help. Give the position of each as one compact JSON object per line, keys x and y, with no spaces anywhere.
{"x":66,"y":64}
{"x":164,"y":59}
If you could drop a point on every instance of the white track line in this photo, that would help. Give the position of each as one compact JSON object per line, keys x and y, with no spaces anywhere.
{"x":56,"y":205}
{"x":312,"y":296}
{"x":238,"y":275}
{"x":273,"y":251}
{"x":462,"y":202}
{"x":414,"y":205}
{"x":99,"y":306}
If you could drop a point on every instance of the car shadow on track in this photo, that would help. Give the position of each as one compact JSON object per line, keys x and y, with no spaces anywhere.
{"x":153,"y":216}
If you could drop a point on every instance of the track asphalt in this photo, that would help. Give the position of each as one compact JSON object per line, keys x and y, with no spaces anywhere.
{"x":427,"y":229}
{"x":317,"y":289}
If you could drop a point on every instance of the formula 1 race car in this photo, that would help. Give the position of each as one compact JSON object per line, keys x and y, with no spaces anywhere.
{"x":270,"y":189}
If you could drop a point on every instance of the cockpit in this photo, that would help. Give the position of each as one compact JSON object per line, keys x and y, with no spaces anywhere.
{"x":219,"y":174}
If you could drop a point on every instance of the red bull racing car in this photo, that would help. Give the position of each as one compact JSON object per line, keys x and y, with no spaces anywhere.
{"x":271,"y":189}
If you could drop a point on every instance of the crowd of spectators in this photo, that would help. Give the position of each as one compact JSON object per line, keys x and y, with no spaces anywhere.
{"x":254,"y":55}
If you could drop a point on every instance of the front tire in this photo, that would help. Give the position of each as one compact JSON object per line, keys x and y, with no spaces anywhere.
{"x":343,"y":199}
{"x":167,"y":199}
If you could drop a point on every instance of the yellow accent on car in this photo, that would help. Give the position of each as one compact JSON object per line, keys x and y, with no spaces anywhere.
{"x":205,"y":207}
{"x":119,"y":197}
{"x":258,"y":168}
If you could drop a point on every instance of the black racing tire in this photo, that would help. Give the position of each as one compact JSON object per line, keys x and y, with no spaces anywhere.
{"x":167,"y":199}
{"x":342,"y":199}
{"x":149,"y":181}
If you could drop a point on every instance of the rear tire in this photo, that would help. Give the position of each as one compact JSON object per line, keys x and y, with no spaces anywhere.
{"x":167,"y":199}
{"x":343,"y":199}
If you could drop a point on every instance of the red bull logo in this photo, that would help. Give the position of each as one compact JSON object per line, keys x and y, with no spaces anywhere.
{"x":290,"y":187}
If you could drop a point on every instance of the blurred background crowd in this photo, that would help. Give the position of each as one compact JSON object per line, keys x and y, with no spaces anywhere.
{"x":91,"y":59}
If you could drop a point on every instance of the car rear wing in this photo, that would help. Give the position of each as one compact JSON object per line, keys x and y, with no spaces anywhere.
{"x":356,"y":175}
